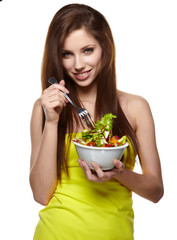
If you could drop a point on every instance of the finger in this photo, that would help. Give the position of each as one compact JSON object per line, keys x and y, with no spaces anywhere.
{"x":62,"y":82}
{"x":52,"y":92}
{"x":57,"y":103}
{"x":90,"y":176}
{"x":119,"y":165}
{"x":80,"y":163}
{"x":56,"y":86}
{"x":52,"y":106}
{"x":57,"y":97}
{"x":61,"y":88}
{"x":98,"y":170}
{"x":87,"y":170}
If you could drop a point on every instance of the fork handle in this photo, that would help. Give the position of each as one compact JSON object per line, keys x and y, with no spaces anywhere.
{"x":53,"y":80}
{"x":66,"y":96}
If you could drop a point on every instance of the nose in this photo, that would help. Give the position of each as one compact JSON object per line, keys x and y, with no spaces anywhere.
{"x":79,"y":64}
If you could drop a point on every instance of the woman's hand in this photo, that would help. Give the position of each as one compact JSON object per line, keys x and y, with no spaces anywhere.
{"x":99,"y":175}
{"x":53,"y":101}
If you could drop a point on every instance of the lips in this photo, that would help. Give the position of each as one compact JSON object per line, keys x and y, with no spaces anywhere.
{"x":82,"y":75}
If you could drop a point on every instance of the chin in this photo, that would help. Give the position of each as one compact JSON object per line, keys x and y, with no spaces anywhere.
{"x":84,"y":83}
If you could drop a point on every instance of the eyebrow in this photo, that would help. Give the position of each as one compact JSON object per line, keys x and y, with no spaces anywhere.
{"x":87,"y":46}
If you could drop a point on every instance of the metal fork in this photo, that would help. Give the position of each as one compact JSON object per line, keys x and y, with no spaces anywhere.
{"x":82,"y":112}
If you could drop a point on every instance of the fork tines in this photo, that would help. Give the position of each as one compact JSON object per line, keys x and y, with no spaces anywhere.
{"x":87,"y":119}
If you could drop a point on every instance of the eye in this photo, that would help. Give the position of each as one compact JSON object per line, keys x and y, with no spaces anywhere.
{"x":89,"y":50}
{"x":66,"y":54}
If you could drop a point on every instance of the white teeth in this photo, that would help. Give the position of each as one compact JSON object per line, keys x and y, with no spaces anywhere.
{"x":82,"y":74}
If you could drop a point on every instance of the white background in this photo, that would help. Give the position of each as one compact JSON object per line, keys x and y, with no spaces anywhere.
{"x":145,"y":34}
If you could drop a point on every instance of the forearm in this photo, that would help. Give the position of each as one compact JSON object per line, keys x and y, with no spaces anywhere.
{"x":43,"y":174}
{"x":147,"y":186}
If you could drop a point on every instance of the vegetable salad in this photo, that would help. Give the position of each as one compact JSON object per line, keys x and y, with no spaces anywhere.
{"x":101,"y":135}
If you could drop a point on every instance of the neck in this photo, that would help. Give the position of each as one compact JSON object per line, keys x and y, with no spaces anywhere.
{"x":88,"y":93}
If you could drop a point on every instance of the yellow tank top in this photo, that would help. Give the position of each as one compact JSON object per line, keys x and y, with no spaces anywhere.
{"x":84,"y":210}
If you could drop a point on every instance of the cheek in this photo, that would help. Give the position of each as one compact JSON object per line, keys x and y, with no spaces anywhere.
{"x":67,"y":64}
{"x":97,"y":58}
{"x":97,"y":61}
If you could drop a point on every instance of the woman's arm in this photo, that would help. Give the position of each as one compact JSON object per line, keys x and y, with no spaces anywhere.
{"x":148,"y":184}
{"x":43,"y":166}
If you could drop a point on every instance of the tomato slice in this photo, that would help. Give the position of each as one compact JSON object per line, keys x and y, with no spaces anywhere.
{"x":91,"y":144}
{"x":109,"y":145}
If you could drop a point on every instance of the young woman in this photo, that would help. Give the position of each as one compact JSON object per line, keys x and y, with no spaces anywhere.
{"x":80,"y":203}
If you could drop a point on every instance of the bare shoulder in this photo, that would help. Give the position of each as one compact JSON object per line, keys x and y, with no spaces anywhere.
{"x":37,"y":107}
{"x":130,"y":100}
{"x":134,"y":107}
{"x":37,"y":104}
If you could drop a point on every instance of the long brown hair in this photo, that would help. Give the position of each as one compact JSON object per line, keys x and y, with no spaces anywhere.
{"x":69,"y":18}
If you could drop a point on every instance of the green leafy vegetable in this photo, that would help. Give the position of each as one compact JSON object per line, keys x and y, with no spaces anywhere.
{"x":101,"y":135}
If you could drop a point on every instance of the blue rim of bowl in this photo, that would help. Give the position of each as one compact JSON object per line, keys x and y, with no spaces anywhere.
{"x":100,"y":148}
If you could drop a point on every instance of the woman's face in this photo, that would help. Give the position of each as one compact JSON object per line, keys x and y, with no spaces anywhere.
{"x":81,"y":57}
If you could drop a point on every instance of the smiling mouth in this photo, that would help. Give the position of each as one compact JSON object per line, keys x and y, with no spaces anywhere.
{"x":82,"y":74}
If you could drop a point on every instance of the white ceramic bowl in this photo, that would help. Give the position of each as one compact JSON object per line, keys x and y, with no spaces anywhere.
{"x":103,"y":156}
